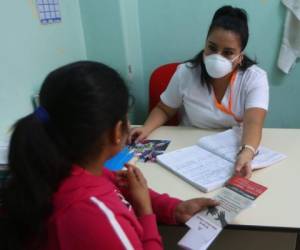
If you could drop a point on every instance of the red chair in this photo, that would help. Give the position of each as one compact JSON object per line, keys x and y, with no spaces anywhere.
{"x":159,"y":81}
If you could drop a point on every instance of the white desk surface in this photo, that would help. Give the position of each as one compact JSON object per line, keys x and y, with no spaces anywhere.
{"x":277,"y":207}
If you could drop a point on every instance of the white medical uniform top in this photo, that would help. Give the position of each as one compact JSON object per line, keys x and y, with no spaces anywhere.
{"x":198,"y":105}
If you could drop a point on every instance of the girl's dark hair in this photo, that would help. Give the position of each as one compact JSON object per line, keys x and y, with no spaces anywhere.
{"x":84,"y":101}
{"x":232,"y":19}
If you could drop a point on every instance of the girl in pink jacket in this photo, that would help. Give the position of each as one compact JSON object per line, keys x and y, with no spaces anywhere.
{"x":58,"y":195}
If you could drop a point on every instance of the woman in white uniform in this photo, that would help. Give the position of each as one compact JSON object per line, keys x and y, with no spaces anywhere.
{"x":219,"y":88}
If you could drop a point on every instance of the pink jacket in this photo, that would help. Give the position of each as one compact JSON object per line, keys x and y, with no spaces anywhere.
{"x":90,"y":212}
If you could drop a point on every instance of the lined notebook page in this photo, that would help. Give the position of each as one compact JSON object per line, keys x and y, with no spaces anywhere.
{"x":199,"y":167}
{"x":226,"y":145}
{"x":266,"y":157}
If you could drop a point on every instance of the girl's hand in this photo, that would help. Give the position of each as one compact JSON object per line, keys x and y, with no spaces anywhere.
{"x":243,"y":164}
{"x":134,"y":181}
{"x":137,"y":134}
{"x":186,"y":209}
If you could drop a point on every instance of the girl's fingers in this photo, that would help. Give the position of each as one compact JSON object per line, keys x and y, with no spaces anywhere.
{"x":131,"y":175}
{"x":135,"y":175}
{"x":139,"y":175}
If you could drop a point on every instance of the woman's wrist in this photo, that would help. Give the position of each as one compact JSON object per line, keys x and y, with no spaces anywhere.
{"x":245,"y":153}
{"x":249,"y":149}
{"x":147,"y":129}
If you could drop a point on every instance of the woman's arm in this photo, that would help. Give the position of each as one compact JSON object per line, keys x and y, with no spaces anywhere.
{"x":252,"y":132}
{"x":158,"y":116}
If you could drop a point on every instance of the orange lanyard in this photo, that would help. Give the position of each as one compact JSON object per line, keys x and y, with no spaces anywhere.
{"x":220,"y":106}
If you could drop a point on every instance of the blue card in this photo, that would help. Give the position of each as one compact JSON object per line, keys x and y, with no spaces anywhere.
{"x":117,"y":162}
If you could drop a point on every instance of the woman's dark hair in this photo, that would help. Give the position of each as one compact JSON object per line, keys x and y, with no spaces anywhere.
{"x":231,"y":19}
{"x":84,"y":101}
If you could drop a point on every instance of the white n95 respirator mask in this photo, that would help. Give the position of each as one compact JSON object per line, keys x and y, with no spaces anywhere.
{"x":218,"y":66}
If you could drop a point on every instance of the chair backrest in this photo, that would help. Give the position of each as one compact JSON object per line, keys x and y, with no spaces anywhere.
{"x":159,"y":81}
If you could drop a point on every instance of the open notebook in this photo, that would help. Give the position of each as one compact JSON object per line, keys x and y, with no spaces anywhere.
{"x":210,"y":163}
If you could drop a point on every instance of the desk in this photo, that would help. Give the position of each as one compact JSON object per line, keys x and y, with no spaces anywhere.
{"x":276,"y":209}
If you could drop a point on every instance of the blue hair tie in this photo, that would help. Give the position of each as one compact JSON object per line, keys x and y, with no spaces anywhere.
{"x":41,"y":114}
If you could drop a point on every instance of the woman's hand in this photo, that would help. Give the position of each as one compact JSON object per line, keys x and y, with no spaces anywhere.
{"x":186,"y":209}
{"x":137,"y":134}
{"x":134,"y":181}
{"x":243,"y":163}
